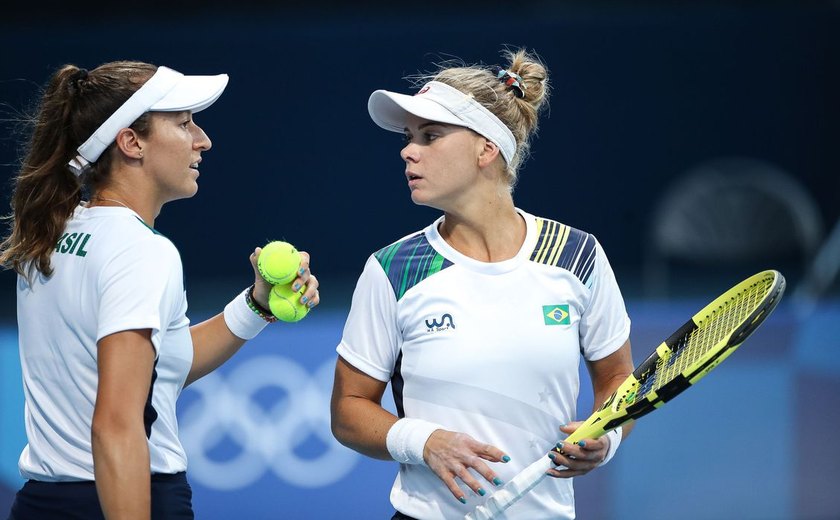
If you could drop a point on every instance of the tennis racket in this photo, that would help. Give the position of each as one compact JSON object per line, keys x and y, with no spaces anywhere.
{"x":678,"y":363}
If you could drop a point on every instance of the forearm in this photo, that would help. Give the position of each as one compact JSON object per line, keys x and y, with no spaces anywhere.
{"x":121,"y":469}
{"x":362,"y":425}
{"x":608,"y":374}
{"x":604,"y":393}
{"x":213,"y":344}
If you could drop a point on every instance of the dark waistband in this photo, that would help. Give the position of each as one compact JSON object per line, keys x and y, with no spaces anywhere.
{"x":156,"y":477}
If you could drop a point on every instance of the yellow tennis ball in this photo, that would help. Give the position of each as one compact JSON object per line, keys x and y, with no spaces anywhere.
{"x":278,"y":262}
{"x":285,"y":304}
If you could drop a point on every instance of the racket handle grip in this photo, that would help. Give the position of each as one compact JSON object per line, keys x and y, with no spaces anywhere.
{"x":518,"y":486}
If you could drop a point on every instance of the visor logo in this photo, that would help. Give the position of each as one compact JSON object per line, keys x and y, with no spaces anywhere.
{"x":423,"y":90}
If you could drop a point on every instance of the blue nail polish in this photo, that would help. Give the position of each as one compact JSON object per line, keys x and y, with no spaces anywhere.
{"x":582,"y":443}
{"x":462,"y":500}
{"x":505,"y":458}
{"x":560,"y":445}
{"x":497,"y":481}
{"x":303,"y":300}
{"x":551,"y":455}
{"x":295,"y":287}
{"x":301,"y":270}
{"x":481,"y":491}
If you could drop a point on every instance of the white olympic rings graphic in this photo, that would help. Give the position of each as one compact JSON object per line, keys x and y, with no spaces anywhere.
{"x":228,"y":407}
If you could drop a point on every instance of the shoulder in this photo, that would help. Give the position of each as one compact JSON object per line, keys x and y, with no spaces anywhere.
{"x":409,"y":261}
{"x":127,"y":240}
{"x":565,"y":247}
{"x":150,"y":240}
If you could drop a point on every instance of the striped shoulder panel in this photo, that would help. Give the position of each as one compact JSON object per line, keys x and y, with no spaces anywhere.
{"x":409,"y":262}
{"x":565,"y":247}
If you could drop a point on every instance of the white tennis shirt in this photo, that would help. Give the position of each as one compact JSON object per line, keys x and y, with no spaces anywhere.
{"x":488,"y":349}
{"x":111,"y":273}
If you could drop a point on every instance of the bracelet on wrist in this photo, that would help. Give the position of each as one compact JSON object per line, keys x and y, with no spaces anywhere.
{"x":258,"y":309}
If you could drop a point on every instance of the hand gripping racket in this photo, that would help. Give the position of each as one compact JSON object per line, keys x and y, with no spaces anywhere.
{"x":679,"y":362}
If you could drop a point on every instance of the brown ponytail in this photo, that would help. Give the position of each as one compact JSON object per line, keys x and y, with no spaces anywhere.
{"x":74,"y":103}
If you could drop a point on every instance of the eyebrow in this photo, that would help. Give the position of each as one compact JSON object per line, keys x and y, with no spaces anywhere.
{"x":430,"y":123}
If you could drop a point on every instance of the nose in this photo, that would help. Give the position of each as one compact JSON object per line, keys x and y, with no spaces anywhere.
{"x":200,"y":140}
{"x":409,"y":153}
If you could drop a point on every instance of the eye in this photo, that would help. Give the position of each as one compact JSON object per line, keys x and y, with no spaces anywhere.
{"x":430,"y":136}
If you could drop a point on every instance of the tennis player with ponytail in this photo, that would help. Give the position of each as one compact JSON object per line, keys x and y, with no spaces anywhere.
{"x":105,"y":343}
{"x":480,"y":320}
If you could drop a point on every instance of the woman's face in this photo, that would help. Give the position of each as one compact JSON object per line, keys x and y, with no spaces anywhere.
{"x":172,"y":152}
{"x":441,"y":162}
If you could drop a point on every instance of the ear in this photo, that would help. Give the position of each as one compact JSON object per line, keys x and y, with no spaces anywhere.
{"x":128,"y":143}
{"x":488,"y":153}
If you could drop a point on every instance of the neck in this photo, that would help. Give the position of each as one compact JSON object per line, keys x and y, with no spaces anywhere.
{"x":489,"y":232}
{"x":113,"y":198}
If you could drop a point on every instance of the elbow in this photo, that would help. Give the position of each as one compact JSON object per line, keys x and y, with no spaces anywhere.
{"x":338,"y":426}
{"x":107,"y":428}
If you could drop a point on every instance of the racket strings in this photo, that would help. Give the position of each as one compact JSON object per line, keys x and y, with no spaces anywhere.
{"x":717,"y":326}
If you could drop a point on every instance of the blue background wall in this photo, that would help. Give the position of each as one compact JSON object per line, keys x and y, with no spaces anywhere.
{"x":642,"y":93}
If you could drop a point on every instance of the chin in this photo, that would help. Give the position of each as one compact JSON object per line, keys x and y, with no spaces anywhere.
{"x":419,"y":200}
{"x":191,"y":191}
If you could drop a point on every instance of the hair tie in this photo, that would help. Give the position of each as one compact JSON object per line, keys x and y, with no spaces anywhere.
{"x":512,"y":80}
{"x":75,"y":82}
{"x":79,"y":75}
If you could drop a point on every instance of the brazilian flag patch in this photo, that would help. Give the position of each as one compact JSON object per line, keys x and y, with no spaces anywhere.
{"x":556,"y":314}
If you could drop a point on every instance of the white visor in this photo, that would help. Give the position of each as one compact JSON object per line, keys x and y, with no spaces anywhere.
{"x":166,"y":91}
{"x":439,"y":102}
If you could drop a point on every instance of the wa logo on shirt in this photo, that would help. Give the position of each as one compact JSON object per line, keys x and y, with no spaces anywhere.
{"x":556,"y":314}
{"x":445,"y":323}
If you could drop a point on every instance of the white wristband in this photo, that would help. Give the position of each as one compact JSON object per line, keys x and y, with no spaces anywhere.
{"x":614,"y":436}
{"x":241,"y":320}
{"x":407,"y":438}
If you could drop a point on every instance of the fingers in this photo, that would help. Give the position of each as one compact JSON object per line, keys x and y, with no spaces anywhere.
{"x":261,"y":287}
{"x":575,"y":459}
{"x":311,"y":296}
{"x":253,"y":259}
{"x":455,"y":456}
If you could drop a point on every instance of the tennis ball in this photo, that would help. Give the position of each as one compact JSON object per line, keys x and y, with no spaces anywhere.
{"x":278,"y":262}
{"x":285,"y":303}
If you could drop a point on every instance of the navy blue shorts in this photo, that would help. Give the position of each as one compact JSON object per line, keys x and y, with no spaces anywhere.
{"x":171,"y":500}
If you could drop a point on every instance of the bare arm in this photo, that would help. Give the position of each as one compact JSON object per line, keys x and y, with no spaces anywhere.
{"x":214,"y":343}
{"x":359,"y":422}
{"x":607,"y":374}
{"x":120,"y":450}
{"x":358,"y":419}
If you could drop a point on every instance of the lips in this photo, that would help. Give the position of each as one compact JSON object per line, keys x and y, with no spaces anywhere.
{"x":413,"y":179}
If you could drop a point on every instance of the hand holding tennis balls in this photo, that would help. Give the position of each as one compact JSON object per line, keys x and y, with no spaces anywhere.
{"x":284,"y":303}
{"x":279,"y":262}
